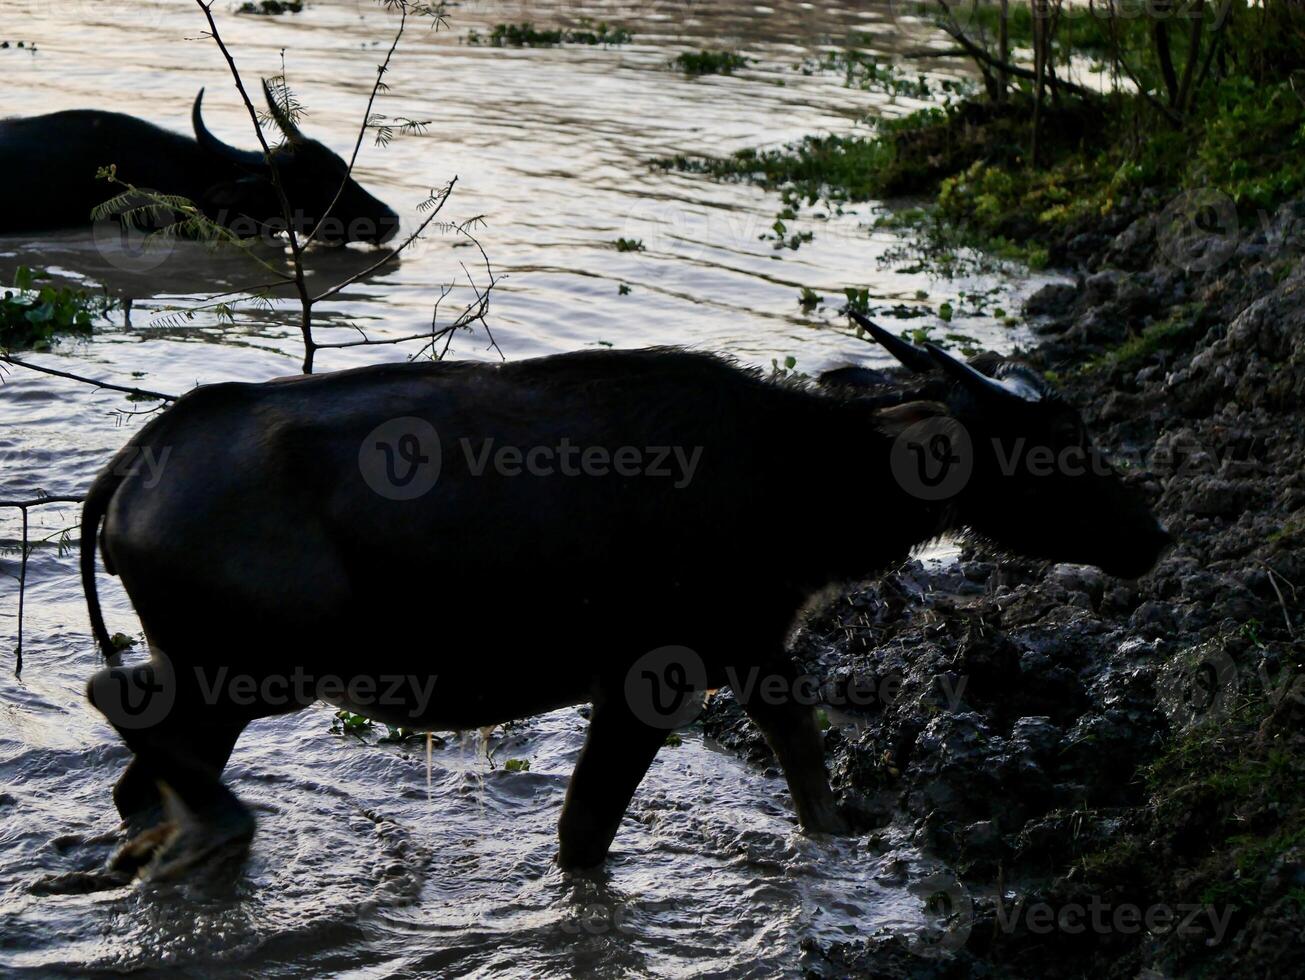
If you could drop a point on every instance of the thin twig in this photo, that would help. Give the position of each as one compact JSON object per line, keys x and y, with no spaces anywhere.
{"x":41,"y":501}
{"x":392,"y":255}
{"x":22,"y":598}
{"x":23,"y":506}
{"x":1273,"y":581}
{"x":296,"y":251}
{"x":137,"y":392}
{"x":979,"y":54}
{"x":367,"y":114}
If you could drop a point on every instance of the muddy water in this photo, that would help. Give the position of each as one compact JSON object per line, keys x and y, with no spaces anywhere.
{"x":364,"y":866}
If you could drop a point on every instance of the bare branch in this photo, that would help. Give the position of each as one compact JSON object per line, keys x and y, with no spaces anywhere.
{"x":371,"y":99}
{"x":109,"y":386}
{"x":296,"y":250}
{"x":390,"y":256}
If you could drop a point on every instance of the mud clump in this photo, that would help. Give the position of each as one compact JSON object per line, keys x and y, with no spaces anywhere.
{"x":1113,"y":772}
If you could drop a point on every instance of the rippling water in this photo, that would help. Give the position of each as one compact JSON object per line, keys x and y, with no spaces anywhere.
{"x":362,"y":866}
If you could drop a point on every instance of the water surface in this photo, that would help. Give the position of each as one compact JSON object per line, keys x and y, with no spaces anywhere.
{"x":362,"y":866}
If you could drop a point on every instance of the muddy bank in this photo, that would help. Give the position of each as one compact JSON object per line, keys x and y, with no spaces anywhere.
{"x":1112,"y":771}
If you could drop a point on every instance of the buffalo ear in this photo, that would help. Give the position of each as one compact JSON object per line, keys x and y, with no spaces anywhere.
{"x":895,"y":420}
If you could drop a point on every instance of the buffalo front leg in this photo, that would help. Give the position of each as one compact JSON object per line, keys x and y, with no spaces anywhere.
{"x":789,"y":727}
{"x":617,"y":753}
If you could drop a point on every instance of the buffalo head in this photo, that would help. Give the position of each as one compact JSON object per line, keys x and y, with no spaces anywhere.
{"x":1033,"y":481}
{"x":311,"y":175}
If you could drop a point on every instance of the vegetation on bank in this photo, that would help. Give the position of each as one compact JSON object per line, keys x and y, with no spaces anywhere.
{"x":526,"y":35}
{"x":1054,"y":164}
{"x":708,"y":62}
{"x":1023,"y":166}
{"x":31,"y":315}
{"x":271,"y":8}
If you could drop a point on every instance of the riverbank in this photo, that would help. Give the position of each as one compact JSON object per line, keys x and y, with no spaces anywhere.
{"x":1112,"y":773}
{"x":1064,"y":740}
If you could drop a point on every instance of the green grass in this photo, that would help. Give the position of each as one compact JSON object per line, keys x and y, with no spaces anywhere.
{"x":836,"y":168}
{"x":526,"y":35}
{"x":271,"y":7}
{"x":709,"y":62}
{"x":866,"y":72}
{"x":32,"y":315}
{"x":1244,"y":138}
{"x":1161,"y":335}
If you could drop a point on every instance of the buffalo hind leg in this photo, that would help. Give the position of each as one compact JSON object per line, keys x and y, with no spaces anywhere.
{"x":617,"y":753}
{"x":172,"y":788}
{"x":790,"y":729}
{"x":136,"y":794}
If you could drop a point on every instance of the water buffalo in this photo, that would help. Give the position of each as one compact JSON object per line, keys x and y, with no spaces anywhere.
{"x":446,"y":546}
{"x":49,"y":163}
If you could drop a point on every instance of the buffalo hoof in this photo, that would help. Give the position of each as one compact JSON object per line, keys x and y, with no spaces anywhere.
{"x":141,"y":849}
{"x":196,"y":847}
{"x":580,"y":858}
{"x":185,"y":841}
{"x":836,"y":825}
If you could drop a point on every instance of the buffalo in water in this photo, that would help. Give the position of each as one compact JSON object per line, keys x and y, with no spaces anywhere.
{"x":446,"y":546}
{"x":48,"y":180}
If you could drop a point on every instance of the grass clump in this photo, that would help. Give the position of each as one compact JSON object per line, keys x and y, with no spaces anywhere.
{"x":708,"y":62}
{"x":629,"y":245}
{"x":265,"y":8}
{"x":1169,"y":334}
{"x":836,"y":168}
{"x":31,"y":315}
{"x":526,"y":35}
{"x":863,"y":71}
{"x":1238,"y":131}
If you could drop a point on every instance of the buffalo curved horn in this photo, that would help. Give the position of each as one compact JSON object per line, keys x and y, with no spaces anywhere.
{"x":280,"y":116}
{"x":911,"y":356}
{"x":246,"y":158}
{"x":976,"y":380}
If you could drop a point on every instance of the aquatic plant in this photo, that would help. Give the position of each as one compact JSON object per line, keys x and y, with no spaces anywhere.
{"x":708,"y":62}
{"x":31,"y":315}
{"x":266,"y":8}
{"x":526,"y":35}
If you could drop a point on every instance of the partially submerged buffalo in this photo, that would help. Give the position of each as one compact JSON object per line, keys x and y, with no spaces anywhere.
{"x":455,"y":545}
{"x":49,"y":164}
